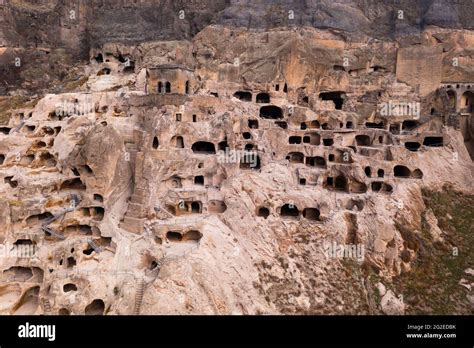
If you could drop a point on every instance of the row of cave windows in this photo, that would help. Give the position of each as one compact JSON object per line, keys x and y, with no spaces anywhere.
{"x":208,"y":148}
{"x":467,"y":100}
{"x":196,"y":207}
{"x":200,"y":147}
{"x":318,"y":161}
{"x":292,"y":211}
{"x":176,"y":236}
{"x":275,"y":112}
{"x":363,"y":140}
{"x":407,"y":125}
{"x":96,"y":307}
{"x":107,"y":71}
{"x":31,"y":128}
{"x":165,"y":87}
{"x":340,"y":183}
{"x":44,"y":159}
{"x":398,"y":171}
{"x":35,"y":274}
{"x":96,"y":212}
{"x":261,"y":97}
{"x":336,"y":97}
{"x":203,"y":147}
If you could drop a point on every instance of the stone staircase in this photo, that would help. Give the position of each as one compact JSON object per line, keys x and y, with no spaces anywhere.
{"x":139,"y":296}
{"x":136,"y":212}
{"x":46,"y":306}
{"x":137,"y":207}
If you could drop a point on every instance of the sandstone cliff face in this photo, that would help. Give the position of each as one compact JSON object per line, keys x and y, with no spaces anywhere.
{"x":66,"y":30}
{"x":239,"y":157}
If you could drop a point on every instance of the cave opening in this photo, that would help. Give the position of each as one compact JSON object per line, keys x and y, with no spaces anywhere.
{"x":362,"y":140}
{"x":282,"y":124}
{"x":96,"y":307}
{"x":263,"y":212}
{"x":196,"y":207}
{"x":467,"y":102}
{"x":203,"y":147}
{"x":311,"y":214}
{"x":358,"y":187}
{"x":179,"y":142}
{"x":199,"y":180}
{"x":271,"y":112}
{"x":104,"y":71}
{"x":314,"y":138}
{"x":336,"y":97}
{"x":72,"y":184}
{"x":217,"y":207}
{"x":289,"y":210}
{"x":340,"y":184}
{"x":417,"y":174}
{"x":193,"y":236}
{"x":409,"y":125}
{"x":412,"y":146}
{"x":295,"y":157}
{"x":253,"y":124}
{"x":223,"y":145}
{"x":294,"y":139}
{"x":451,"y":99}
{"x":98,"y":197}
{"x":328,"y":142}
{"x":379,"y":125}
{"x":243,"y":96}
{"x":99,"y":58}
{"x":376,"y":186}
{"x":401,"y":171}
{"x":433,"y":141}
{"x":263,"y":98}
{"x":174,"y":236}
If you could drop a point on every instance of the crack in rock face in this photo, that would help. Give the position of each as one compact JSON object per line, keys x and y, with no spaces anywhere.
{"x":236,"y":158}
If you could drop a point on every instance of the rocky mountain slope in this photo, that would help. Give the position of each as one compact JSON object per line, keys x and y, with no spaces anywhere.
{"x":236,"y":157}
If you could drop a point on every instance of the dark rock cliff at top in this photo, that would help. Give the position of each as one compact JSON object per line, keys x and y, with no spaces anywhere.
{"x":51,"y":36}
{"x":51,"y":22}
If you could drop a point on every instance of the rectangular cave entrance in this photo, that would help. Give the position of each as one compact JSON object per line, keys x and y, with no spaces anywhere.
{"x":336,"y":97}
{"x":433,"y":141}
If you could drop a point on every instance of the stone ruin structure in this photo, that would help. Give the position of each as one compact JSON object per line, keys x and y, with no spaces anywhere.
{"x":209,"y":175}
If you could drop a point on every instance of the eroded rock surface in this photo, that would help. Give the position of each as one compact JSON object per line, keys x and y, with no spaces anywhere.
{"x":235,"y":160}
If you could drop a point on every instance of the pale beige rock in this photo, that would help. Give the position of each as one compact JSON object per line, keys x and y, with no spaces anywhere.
{"x":181,"y":231}
{"x":391,"y":304}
